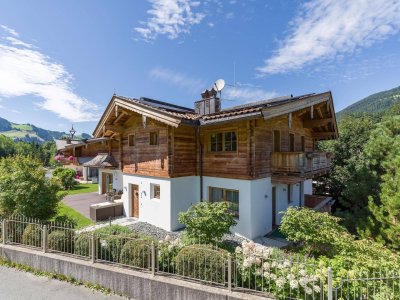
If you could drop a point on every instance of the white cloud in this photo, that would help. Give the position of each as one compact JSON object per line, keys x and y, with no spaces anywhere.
{"x":247,"y":93}
{"x":325,"y":29}
{"x":24,"y":71}
{"x":9,"y":30}
{"x":178,"y":79}
{"x":229,"y":15}
{"x":170,"y":18}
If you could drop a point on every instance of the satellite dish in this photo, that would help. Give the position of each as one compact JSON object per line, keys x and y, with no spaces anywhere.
{"x":219,"y":85}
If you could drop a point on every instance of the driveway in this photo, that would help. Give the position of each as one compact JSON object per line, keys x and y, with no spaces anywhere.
{"x":81,"y":202}
{"x":18,"y":285}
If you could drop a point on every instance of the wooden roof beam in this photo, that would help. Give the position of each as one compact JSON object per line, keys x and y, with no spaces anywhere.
{"x":317,"y":122}
{"x":114,"y":128}
{"x":121,"y":115}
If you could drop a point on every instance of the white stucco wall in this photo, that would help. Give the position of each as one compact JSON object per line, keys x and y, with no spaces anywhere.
{"x":282,"y":199}
{"x":153,"y":211}
{"x":185,"y":191}
{"x":254,"y":203}
{"x":117,"y":179}
{"x":308,"y":187}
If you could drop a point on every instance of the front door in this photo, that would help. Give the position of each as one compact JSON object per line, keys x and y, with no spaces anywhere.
{"x":135,"y":200}
{"x":273,"y":207}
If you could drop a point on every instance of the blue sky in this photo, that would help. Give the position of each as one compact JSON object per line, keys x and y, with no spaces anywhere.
{"x":61,"y":61}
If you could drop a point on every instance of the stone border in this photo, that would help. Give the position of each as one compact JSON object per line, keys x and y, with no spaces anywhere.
{"x":133,"y":284}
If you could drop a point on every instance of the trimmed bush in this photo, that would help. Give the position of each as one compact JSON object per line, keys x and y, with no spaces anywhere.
{"x":82,"y":244}
{"x":65,"y":176}
{"x":32,"y":235}
{"x":61,"y":240}
{"x":136,"y":253}
{"x":111,"y":240}
{"x":203,"y":262}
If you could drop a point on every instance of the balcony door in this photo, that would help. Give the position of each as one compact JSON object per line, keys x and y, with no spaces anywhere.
{"x":277,"y":141}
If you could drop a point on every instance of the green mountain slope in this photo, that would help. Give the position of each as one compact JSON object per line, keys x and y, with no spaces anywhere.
{"x":31,"y":133}
{"x":373,"y":104}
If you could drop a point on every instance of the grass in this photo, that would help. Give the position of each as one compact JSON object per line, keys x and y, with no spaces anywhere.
{"x":80,"y":219}
{"x":83,"y":188}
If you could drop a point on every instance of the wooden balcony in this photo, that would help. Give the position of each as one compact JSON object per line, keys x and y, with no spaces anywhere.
{"x":300,"y":164}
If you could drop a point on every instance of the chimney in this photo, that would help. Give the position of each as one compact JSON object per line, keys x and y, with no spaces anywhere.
{"x":209,"y":104}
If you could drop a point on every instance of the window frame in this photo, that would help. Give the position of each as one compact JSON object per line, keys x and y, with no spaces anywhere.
{"x":223,"y":141}
{"x":153,"y":194}
{"x":157,"y":135}
{"x":276,"y":147}
{"x":303,"y":143}
{"x":224,"y":199}
{"x":289,"y":193}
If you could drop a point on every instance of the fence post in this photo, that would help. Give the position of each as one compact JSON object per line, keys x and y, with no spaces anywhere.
{"x":44,"y":238}
{"x":330,"y":289}
{"x":153,"y":259}
{"x":3,"y":231}
{"x":229,"y":272}
{"x":93,"y":248}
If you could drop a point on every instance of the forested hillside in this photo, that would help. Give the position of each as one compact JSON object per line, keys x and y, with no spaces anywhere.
{"x":30,"y":133}
{"x":373,"y":104}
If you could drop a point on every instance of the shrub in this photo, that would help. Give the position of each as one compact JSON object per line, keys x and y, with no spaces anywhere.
{"x":61,"y":240}
{"x":32,"y":235}
{"x":206,"y":222}
{"x":136,"y":253}
{"x":202,"y":262}
{"x":111,"y":240}
{"x":25,"y":190}
{"x":65,"y":221}
{"x":65,"y":176}
{"x":15,"y":231}
{"x":82,"y":244}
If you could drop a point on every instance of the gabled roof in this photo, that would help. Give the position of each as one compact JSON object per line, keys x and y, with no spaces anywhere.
{"x":174,"y":115}
{"x":102,"y":160}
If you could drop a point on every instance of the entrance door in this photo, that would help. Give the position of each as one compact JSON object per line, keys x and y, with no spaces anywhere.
{"x":273,"y":207}
{"x":107,"y":183}
{"x":135,"y":200}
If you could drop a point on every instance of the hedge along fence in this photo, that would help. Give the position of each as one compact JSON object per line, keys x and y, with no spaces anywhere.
{"x":251,"y":268}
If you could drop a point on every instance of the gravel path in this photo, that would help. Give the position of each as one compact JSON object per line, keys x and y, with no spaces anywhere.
{"x":160,"y":234}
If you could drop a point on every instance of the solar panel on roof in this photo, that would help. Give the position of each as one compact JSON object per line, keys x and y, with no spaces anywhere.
{"x":164,"y":105}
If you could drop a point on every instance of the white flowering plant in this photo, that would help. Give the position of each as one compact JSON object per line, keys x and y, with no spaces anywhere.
{"x":271,"y":270}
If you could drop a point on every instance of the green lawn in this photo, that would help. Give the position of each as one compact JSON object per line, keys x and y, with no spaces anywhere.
{"x":81,"y":220}
{"x":83,"y":188}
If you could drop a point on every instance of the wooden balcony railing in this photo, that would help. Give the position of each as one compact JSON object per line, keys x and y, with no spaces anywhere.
{"x":301,"y":163}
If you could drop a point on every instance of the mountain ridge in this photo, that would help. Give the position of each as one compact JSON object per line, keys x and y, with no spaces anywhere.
{"x":31,"y":133}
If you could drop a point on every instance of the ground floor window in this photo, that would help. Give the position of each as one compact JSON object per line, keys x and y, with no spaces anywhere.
{"x":226,"y":195}
{"x":155,"y":191}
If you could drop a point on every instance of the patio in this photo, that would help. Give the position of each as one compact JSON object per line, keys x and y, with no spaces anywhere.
{"x":82,"y":202}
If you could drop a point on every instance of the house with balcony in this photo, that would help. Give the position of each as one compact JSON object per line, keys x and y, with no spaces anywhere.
{"x":259,"y":157}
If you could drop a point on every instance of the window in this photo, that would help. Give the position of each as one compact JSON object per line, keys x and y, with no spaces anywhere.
{"x":131,"y":140}
{"x":289,"y":193}
{"x":277,"y":141}
{"x":291,"y":142}
{"x":155,"y":191}
{"x":226,"y":195}
{"x":223,"y":141}
{"x":303,"y":144}
{"x":154,"y":138}
{"x":216,"y":142}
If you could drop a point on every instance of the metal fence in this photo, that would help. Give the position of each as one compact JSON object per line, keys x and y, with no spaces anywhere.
{"x":251,"y":268}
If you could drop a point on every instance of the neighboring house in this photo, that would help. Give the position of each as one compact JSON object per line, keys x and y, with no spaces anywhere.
{"x":259,"y":157}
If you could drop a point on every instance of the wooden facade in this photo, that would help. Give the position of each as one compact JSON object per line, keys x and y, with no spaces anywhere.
{"x":151,"y":143}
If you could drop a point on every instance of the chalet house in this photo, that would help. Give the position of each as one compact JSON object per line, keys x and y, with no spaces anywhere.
{"x":259,"y":157}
